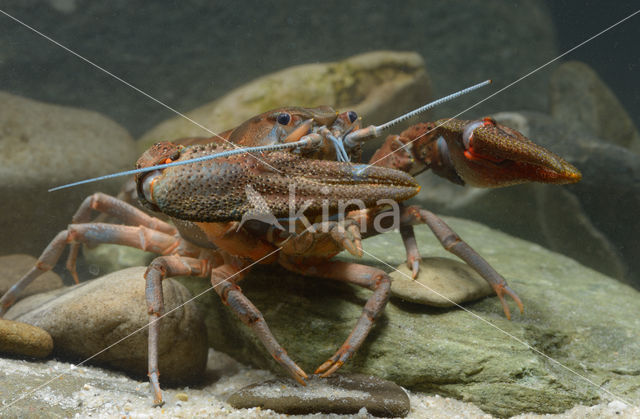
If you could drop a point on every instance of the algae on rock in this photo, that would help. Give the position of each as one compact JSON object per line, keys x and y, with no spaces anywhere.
{"x":583,"y":319}
{"x":368,"y":83}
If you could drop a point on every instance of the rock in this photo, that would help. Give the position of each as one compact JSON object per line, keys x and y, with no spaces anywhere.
{"x":339,"y":394}
{"x":86,"y":391}
{"x":48,"y":145}
{"x":583,"y":102}
{"x":583,"y":319}
{"x":87,"y":318}
{"x":13,"y":267}
{"x":608,"y":197}
{"x":568,"y":229}
{"x":367,"y":83}
{"x":22,"y":339}
{"x":441,"y":282}
{"x":563,"y":218}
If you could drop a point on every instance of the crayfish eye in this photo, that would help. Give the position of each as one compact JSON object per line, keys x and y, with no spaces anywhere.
{"x":352,"y":116}
{"x":283,"y":118}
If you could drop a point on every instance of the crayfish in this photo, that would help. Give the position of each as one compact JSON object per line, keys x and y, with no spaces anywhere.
{"x":293,"y":195}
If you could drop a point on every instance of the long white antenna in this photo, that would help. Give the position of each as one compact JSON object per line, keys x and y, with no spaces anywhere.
{"x":432,"y":105}
{"x":228,"y":153}
{"x":372,"y":131}
{"x":349,"y":141}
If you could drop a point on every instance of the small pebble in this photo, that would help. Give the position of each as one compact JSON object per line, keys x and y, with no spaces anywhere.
{"x":86,"y":318}
{"x":441,"y":282}
{"x":182,"y":397}
{"x":341,"y":394}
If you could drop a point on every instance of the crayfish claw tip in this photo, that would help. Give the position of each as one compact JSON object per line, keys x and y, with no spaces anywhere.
{"x":350,"y":247}
{"x":333,"y":369}
{"x":322,"y":368}
{"x":359,"y":251}
{"x":506,"y":310}
{"x":515,"y":297}
{"x":415,"y":269}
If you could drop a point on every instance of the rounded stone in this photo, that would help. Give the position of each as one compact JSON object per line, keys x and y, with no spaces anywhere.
{"x":86,"y":319}
{"x":449,"y":351}
{"x":43,"y":146}
{"x":580,"y":100}
{"x":366,"y":83}
{"x":341,"y":394}
{"x":441,"y":282}
{"x":23,"y":339}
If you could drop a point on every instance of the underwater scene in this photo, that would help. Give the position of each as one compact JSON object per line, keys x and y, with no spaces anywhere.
{"x":478,"y":259}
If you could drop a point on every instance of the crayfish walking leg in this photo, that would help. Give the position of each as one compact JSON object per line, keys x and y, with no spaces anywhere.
{"x":224,"y":279}
{"x":365,"y":276}
{"x":161,"y":268}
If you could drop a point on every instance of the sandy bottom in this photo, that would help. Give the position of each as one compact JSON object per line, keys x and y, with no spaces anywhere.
{"x":57,"y":389}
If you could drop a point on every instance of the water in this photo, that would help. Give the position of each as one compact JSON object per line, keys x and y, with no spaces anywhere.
{"x":185,"y":55}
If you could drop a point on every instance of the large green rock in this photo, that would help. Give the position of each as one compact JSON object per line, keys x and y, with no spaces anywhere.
{"x":582,"y":319}
{"x":378,"y":85}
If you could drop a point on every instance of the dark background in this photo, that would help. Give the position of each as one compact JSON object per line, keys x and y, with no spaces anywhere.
{"x":188,"y":53}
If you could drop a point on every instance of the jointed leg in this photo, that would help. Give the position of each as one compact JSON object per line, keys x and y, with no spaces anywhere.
{"x":411,"y":247}
{"x":114,"y":207}
{"x":94,"y":234}
{"x":161,"y":268}
{"x":223,"y":279}
{"x":454,"y":244}
{"x":45,"y":262}
{"x":365,"y":276}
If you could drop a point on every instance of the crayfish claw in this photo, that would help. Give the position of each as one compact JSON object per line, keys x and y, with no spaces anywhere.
{"x":334,"y":363}
{"x":356,"y":240}
{"x":329,"y":367}
{"x":295,"y":371}
{"x":350,"y":246}
{"x":349,"y":238}
{"x":300,"y":378}
{"x":324,"y":367}
{"x":415,"y":268}
{"x":515,"y":297}
{"x":505,"y":307}
{"x":503,"y":289}
{"x":332,"y":369}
